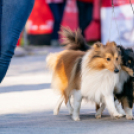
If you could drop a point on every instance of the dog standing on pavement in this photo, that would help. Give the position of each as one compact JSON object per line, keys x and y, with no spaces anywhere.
{"x":91,"y":75}
{"x":124,"y":90}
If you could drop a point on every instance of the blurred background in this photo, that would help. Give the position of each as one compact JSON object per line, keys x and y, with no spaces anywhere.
{"x":26,"y":98}
{"x":94,"y":17}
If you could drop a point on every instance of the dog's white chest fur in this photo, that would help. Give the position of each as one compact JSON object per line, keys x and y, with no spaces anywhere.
{"x":123,"y":77}
{"x":96,"y":84}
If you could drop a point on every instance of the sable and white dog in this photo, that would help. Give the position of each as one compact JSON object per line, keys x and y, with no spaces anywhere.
{"x":91,"y":75}
{"x":124,"y":90}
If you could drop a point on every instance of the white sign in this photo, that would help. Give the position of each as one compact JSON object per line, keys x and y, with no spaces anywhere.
{"x":124,"y":18}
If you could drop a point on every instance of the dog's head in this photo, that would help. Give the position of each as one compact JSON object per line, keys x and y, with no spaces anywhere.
{"x":106,"y":57}
{"x":127,"y":60}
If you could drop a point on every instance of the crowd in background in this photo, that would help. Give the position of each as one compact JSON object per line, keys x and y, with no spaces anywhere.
{"x":85,"y":10}
{"x":90,"y":13}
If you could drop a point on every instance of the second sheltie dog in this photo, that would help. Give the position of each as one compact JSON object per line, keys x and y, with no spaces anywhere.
{"x":91,"y":75}
{"x":124,"y":90}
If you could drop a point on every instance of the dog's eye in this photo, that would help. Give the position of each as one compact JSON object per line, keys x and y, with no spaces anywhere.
{"x":116,"y":58}
{"x":129,"y":61}
{"x":108,"y":59}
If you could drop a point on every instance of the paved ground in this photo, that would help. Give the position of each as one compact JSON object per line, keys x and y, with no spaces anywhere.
{"x":27,"y":102}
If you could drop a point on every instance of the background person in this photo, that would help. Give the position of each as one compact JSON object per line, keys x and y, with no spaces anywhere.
{"x":57,"y":9}
{"x":13,"y":16}
{"x":85,"y":13}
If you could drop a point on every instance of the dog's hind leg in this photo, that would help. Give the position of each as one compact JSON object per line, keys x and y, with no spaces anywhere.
{"x":77,"y":104}
{"x":70,"y":109}
{"x":97,"y":106}
{"x":99,"y":111}
{"x":58,"y":105}
{"x":127,"y":104}
{"x":119,"y":108}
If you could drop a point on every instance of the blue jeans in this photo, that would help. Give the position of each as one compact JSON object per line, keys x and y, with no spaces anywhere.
{"x":12,"y":20}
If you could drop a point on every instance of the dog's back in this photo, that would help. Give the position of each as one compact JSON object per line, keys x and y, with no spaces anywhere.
{"x":65,"y":67}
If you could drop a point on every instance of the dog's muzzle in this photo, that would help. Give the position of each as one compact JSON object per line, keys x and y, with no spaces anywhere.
{"x":116,"y":70}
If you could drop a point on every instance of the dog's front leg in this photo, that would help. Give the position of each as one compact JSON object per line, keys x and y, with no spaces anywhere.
{"x":127,"y":103}
{"x":119,"y":108}
{"x":109,"y":100}
{"x":129,"y":114}
{"x":99,"y":111}
{"x":77,"y":104}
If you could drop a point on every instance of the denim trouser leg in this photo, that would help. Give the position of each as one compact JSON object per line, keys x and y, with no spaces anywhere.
{"x":13,"y":19}
{"x":0,"y":23}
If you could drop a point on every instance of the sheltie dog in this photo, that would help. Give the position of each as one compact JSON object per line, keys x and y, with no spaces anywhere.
{"x":124,"y":91}
{"x":91,"y":75}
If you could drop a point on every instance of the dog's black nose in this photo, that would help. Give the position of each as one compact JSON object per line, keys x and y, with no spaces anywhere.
{"x":116,"y":70}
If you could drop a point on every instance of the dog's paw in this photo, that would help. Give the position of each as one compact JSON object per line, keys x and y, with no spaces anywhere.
{"x":76,"y":118}
{"x":98,"y":116}
{"x":55,"y":112}
{"x":117,"y":116}
{"x":129,"y":117}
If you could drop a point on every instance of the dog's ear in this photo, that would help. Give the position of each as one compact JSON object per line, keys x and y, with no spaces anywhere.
{"x":111,"y":44}
{"x":119,"y":50}
{"x":97,"y":46}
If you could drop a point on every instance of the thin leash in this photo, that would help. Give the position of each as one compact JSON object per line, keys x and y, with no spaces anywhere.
{"x":131,"y":6}
{"x":113,"y":15}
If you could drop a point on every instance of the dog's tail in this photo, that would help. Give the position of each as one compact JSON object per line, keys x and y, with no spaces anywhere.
{"x":73,"y":40}
{"x":52,"y":60}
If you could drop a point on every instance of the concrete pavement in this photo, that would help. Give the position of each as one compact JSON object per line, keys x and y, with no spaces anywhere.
{"x":27,"y":102}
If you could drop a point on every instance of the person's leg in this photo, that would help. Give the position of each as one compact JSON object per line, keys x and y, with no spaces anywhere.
{"x":89,"y":14}
{"x":81,"y":16}
{"x":57,"y":10}
{"x":61,"y":7}
{"x":14,"y":16}
{"x":0,"y":23}
{"x":85,"y":14}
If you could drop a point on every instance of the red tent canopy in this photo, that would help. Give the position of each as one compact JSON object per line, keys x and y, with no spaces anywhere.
{"x":41,"y":20}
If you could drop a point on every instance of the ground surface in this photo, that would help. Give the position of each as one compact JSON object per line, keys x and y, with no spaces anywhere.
{"x":27,"y":102}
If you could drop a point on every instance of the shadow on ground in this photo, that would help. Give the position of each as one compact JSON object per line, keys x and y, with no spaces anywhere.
{"x":47,"y":123}
{"x":24,"y":87}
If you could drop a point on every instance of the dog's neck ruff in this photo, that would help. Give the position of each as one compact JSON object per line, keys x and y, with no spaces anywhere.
{"x":123,"y":77}
{"x":94,"y":83}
